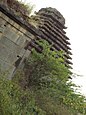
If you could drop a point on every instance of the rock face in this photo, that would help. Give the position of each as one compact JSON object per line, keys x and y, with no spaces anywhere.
{"x":18,"y":37}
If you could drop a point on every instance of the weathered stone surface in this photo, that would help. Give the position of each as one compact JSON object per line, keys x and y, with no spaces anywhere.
{"x":2,"y":22}
{"x":4,"y":52}
{"x":53,"y":12}
{"x":9,"y":33}
{"x":0,"y":35}
{"x":13,"y":39}
{"x":1,"y":29}
{"x":5,"y":66}
{"x":21,"y":41}
{"x":17,"y":36}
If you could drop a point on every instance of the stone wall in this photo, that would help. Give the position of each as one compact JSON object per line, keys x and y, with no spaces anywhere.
{"x":13,"y":39}
{"x":18,"y":36}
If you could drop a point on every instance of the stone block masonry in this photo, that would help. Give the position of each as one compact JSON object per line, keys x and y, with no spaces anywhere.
{"x":13,"y":39}
{"x":18,"y":36}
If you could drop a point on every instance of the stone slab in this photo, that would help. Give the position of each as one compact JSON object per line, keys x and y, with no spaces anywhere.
{"x":9,"y":33}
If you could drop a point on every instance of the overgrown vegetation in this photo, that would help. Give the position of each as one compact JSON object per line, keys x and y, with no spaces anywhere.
{"x":18,"y":8}
{"x":16,"y":101}
{"x":42,"y":88}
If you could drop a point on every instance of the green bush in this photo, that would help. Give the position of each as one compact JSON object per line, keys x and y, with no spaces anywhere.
{"x":16,"y":101}
{"x":48,"y":75}
{"x":42,"y":88}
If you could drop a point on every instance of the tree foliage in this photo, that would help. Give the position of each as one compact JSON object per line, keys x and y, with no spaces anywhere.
{"x":47,"y":72}
{"x":43,"y":88}
{"x":16,"y":101}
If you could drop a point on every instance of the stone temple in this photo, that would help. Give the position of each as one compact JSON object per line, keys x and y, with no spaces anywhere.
{"x":51,"y":24}
{"x":18,"y":36}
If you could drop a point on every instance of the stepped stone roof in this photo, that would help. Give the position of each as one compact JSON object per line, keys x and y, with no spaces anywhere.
{"x":53,"y":12}
{"x":51,"y":24}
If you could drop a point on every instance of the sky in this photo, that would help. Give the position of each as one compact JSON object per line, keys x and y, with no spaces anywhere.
{"x":74,"y":11}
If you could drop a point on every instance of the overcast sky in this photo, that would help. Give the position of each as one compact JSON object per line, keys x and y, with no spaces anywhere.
{"x":74,"y":12}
